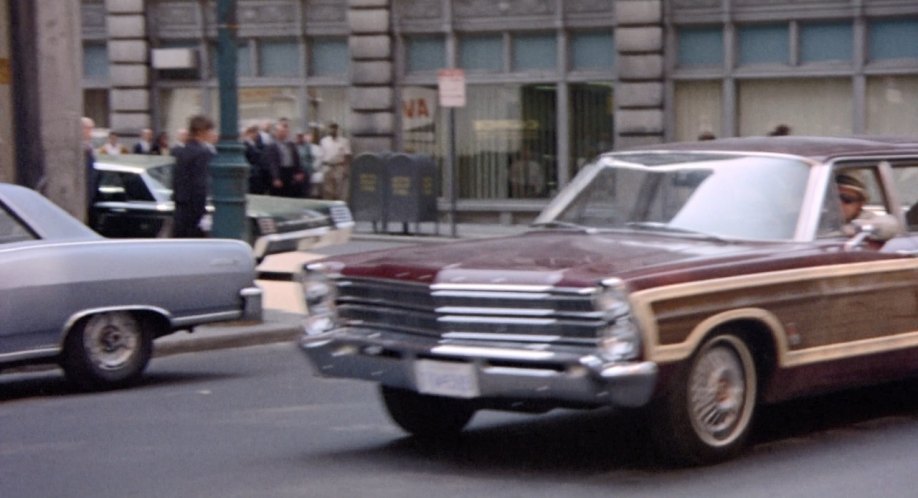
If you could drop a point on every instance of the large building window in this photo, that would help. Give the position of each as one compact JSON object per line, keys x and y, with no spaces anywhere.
{"x":812,"y":106}
{"x":701,"y":47}
{"x":698,"y":109}
{"x":329,"y":57}
{"x":425,"y":53}
{"x":95,"y":61}
{"x":535,"y":52}
{"x":278,"y":58}
{"x":592,"y":50}
{"x":826,"y":42}
{"x":507,"y":141}
{"x":591,"y":125}
{"x":892,"y":39}
{"x":892,"y":105}
{"x":481,"y":53}
{"x":764,"y":44}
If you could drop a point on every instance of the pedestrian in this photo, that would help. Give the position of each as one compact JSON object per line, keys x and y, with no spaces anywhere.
{"x":89,"y":164}
{"x":259,"y":177}
{"x":336,"y":153}
{"x":288,"y":179}
{"x":307,"y":157}
{"x":161,"y":144}
{"x":181,"y":137}
{"x":780,"y":131}
{"x":190,"y":179}
{"x":145,"y":144}
{"x":317,"y":179}
{"x":112,"y":147}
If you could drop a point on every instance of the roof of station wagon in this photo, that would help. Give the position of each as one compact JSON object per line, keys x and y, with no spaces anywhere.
{"x":817,"y":148}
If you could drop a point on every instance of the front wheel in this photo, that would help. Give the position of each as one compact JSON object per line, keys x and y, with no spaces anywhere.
{"x":706,"y":415}
{"x":426,"y":416}
{"x":107,"y":350}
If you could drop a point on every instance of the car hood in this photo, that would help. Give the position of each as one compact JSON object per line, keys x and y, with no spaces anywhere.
{"x":558,"y":258}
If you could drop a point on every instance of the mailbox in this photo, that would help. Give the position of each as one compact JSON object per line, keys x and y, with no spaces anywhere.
{"x":395,"y":187}
{"x":368,"y":188}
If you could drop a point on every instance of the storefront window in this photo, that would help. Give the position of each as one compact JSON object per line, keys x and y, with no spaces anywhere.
{"x":177,"y":105}
{"x":812,"y":106}
{"x":698,"y":109}
{"x":892,"y":105}
{"x":506,"y":141}
{"x":591,"y":123}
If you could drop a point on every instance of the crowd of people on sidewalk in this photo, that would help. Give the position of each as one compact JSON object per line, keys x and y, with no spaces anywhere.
{"x":281,"y":163}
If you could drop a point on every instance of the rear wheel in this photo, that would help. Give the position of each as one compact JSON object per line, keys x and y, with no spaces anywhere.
{"x":707,"y":414}
{"x":426,"y":416}
{"x":107,"y":350}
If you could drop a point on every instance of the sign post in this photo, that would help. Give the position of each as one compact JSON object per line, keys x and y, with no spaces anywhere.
{"x":451,"y":84}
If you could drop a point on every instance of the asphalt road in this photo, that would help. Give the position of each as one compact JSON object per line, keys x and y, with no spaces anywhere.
{"x":254,"y":422}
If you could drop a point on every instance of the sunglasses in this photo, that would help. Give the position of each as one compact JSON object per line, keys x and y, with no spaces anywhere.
{"x":850,"y":199}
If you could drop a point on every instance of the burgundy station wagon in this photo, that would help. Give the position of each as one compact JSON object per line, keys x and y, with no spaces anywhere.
{"x":694,"y":281}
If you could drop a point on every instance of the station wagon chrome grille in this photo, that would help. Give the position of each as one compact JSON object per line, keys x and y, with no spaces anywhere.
{"x":472,"y":313}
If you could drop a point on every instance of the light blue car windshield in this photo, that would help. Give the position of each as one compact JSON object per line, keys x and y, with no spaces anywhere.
{"x":162,"y":179}
{"x":721,"y":195}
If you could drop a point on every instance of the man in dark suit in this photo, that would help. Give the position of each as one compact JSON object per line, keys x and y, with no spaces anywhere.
{"x":145,"y":144}
{"x":190,"y":179}
{"x":288,"y":178}
{"x":259,"y":178}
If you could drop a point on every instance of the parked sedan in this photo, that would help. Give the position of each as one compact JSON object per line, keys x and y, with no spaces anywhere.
{"x":94,"y":305}
{"x":135,"y":200}
{"x":692,"y":281}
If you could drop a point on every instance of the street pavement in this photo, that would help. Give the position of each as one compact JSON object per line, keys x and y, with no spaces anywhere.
{"x":282,"y":300}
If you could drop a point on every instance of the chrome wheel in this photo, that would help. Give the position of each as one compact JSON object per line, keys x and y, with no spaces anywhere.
{"x":108,"y":350}
{"x":721,"y":391}
{"x":111,"y":339}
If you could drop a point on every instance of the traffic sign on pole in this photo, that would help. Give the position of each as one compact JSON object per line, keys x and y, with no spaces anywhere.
{"x":451,"y":83}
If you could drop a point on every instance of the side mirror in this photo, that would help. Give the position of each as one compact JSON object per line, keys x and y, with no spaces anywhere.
{"x":877,"y":229}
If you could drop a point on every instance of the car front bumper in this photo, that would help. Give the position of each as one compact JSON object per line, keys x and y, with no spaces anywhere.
{"x":498,"y":372}
{"x":301,"y":240}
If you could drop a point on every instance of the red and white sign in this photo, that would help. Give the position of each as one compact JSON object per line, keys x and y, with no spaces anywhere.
{"x":451,"y":84}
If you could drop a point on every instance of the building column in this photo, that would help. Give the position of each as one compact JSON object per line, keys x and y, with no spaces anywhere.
{"x":372,"y":92}
{"x":639,"y":90}
{"x":128,"y":53}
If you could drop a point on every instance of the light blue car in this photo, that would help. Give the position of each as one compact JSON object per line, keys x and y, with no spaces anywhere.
{"x":95,"y":305}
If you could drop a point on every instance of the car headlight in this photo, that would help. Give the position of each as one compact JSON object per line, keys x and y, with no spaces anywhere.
{"x":319,"y":293}
{"x":619,"y":338}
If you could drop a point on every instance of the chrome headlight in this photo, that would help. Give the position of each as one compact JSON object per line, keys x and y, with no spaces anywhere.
{"x":319,"y":293}
{"x":619,"y":338}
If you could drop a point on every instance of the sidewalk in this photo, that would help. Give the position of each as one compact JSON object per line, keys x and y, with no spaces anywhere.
{"x":283,"y":305}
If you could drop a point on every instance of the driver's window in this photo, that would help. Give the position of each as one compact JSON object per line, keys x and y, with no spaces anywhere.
{"x":854,"y":193}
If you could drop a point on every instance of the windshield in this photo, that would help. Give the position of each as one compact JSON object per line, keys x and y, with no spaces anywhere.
{"x":162,"y":179}
{"x":720,"y":195}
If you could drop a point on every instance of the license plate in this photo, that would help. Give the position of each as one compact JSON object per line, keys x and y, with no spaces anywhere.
{"x":441,"y":378}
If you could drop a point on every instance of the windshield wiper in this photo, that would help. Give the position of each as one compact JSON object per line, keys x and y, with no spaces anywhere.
{"x":663,"y":227}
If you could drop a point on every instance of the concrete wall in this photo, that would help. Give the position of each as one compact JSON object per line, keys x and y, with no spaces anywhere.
{"x":639,"y":92}
{"x":371,"y":97}
{"x":128,"y":53}
{"x":60,"y":69}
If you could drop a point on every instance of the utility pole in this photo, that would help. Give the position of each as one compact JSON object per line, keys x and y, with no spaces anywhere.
{"x":229,"y":170}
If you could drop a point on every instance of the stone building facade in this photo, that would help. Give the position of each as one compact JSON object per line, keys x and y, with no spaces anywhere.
{"x":550,"y":83}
